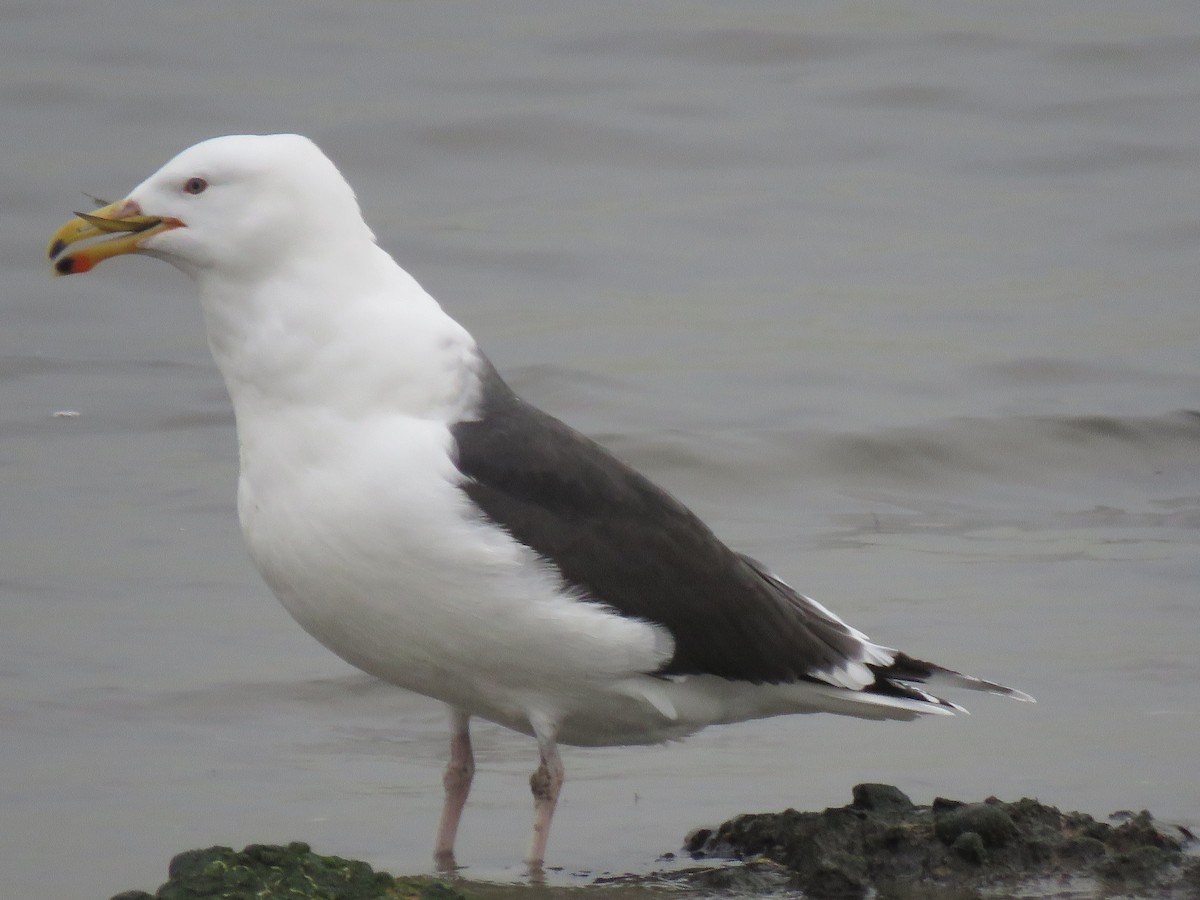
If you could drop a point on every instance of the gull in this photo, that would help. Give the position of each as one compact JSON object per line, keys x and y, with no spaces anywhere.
{"x":430,"y":527}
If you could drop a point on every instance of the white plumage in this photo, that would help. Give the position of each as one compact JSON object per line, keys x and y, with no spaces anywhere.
{"x":431,"y":529}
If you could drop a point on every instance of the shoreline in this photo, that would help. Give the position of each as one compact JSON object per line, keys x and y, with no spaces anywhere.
{"x":881,"y":844}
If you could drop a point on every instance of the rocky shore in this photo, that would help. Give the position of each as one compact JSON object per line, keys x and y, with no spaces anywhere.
{"x":881,"y":845}
{"x":885,"y":843}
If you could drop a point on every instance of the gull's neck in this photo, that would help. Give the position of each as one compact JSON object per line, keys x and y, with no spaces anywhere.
{"x":353,"y":341}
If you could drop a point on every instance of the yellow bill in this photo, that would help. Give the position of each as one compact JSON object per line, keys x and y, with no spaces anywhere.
{"x":123,"y":219}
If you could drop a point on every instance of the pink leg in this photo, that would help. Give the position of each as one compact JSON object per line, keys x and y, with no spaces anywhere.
{"x":546,"y":782}
{"x":457,"y":781}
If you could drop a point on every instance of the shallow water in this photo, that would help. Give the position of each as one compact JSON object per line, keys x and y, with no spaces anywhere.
{"x":901,"y":299}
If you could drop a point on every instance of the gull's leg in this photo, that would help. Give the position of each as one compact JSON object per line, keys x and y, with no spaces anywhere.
{"x":546,"y":783}
{"x":457,"y":781}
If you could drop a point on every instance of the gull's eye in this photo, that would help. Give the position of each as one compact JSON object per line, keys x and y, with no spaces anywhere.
{"x":195,"y":185}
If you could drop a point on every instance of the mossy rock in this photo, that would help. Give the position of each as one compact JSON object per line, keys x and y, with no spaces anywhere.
{"x":294,"y":872}
{"x":990,"y":822}
{"x":883,"y":841}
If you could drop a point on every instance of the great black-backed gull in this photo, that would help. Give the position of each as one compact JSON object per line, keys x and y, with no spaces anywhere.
{"x":427,"y":525}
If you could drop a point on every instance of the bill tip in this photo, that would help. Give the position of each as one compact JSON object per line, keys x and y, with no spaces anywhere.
{"x":68,"y":265}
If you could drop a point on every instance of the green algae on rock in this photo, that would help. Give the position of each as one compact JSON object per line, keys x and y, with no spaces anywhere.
{"x":272,"y":872}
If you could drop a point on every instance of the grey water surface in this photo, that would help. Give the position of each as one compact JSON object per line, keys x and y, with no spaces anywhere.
{"x":902,"y":298}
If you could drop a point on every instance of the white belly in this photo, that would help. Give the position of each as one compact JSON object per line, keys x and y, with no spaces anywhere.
{"x":377,"y":553}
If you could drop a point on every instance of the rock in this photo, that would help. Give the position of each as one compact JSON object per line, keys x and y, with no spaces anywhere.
{"x":989,"y":821}
{"x":696,"y":839}
{"x":880,"y":798}
{"x":882,"y":842}
{"x":969,"y":845}
{"x":881,"y":845}
{"x":272,"y":872}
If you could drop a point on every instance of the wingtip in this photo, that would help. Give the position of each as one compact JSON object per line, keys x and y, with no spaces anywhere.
{"x":908,"y":669}
{"x":1001,"y":690}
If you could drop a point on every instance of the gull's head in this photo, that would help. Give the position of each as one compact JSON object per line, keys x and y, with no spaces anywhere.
{"x":239,"y":204}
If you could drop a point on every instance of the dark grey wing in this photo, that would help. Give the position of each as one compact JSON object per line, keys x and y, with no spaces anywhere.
{"x":630,"y":545}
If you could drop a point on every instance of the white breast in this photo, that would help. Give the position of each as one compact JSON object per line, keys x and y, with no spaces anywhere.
{"x":353,"y":512}
{"x":376,"y":551}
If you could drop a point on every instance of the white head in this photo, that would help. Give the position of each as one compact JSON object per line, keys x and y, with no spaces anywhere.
{"x":238,"y":204}
{"x":300,"y":303}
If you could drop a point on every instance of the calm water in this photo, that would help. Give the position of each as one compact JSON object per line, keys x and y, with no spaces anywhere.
{"x":901,"y":298}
